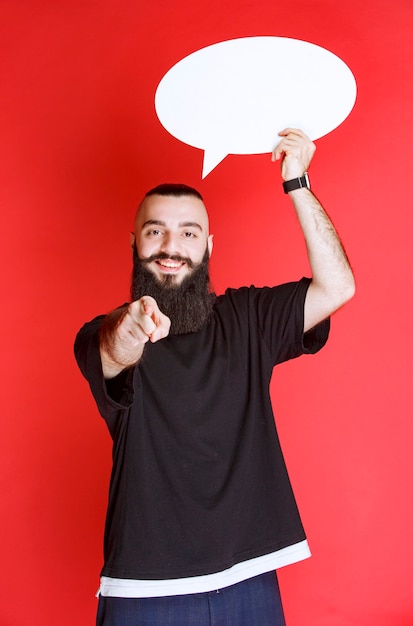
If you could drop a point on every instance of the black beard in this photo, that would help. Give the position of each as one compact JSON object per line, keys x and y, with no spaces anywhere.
{"x":188,"y":304}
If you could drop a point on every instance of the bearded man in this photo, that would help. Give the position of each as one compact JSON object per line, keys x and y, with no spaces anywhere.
{"x":201,"y":512}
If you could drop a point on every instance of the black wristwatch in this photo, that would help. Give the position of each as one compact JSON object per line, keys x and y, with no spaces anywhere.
{"x":297,"y":183}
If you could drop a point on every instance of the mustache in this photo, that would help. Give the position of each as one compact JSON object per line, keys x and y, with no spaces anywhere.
{"x":162,"y":256}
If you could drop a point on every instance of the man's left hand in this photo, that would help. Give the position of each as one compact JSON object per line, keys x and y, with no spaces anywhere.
{"x":296,"y":151}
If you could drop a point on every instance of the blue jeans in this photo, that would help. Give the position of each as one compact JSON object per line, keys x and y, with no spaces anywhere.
{"x":253,"y":602}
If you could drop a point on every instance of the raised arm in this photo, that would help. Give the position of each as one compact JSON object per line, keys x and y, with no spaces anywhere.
{"x":332,"y":282}
{"x":125,"y":332}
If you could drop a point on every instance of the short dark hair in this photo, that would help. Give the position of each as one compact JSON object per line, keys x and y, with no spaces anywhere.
{"x":174,"y":189}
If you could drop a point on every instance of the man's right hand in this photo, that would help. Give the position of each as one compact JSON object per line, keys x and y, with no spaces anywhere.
{"x":125,"y":332}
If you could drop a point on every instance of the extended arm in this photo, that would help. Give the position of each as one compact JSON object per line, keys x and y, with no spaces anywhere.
{"x":332,"y":282}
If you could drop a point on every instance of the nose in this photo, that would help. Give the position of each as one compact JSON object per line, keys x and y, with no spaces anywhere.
{"x":170,"y":244}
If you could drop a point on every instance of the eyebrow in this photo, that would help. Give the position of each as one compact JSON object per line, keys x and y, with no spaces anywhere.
{"x":180,"y":225}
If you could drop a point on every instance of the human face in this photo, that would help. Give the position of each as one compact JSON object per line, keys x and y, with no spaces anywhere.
{"x":173,"y":232}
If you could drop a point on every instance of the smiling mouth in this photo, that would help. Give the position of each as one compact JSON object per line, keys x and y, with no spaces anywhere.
{"x":169,"y":265}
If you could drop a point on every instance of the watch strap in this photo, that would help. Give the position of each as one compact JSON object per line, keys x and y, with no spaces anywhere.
{"x":297,"y":183}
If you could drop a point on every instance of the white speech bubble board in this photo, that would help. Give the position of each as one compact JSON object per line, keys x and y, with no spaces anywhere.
{"x":234,"y":96}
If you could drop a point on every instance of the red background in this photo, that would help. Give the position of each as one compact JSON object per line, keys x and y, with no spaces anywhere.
{"x":79,"y":144}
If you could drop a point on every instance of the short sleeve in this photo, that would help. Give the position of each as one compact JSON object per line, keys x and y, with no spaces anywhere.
{"x":110,"y":396}
{"x":280,"y":318}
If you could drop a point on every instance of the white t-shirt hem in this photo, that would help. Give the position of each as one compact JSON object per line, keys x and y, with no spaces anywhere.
{"x":128,"y":588}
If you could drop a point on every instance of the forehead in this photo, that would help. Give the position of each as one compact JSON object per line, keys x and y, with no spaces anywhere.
{"x":173,"y":211}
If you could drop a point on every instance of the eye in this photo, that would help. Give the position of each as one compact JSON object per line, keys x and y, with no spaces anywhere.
{"x":155,"y":232}
{"x":188,"y":234}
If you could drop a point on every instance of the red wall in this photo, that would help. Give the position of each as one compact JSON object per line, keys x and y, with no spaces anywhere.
{"x":79,"y":144}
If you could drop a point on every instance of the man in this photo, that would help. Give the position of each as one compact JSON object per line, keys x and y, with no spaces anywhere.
{"x":201,"y":511}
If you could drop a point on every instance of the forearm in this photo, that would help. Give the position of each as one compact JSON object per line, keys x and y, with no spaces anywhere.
{"x":332,"y":277}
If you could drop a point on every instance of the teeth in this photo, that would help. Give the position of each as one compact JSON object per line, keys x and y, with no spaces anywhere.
{"x":170,"y":264}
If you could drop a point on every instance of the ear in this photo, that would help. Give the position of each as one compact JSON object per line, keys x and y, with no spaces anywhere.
{"x":132,"y":240}
{"x":210,"y":243}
